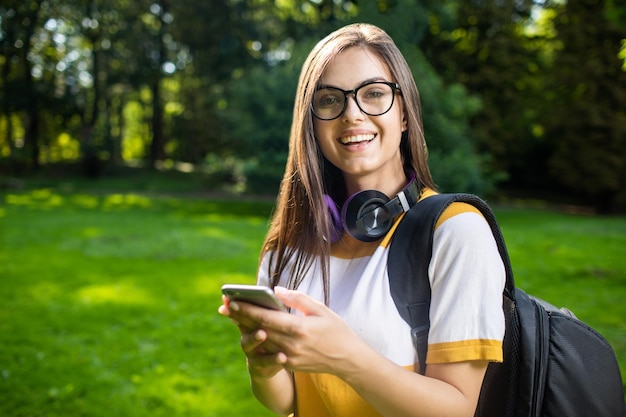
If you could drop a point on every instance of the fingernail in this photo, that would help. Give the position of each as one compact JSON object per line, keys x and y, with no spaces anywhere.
{"x":234,"y":306}
{"x":280,"y":290}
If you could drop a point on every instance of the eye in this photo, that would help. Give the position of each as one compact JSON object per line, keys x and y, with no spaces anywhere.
{"x":374,"y":92}
{"x":327,"y":99}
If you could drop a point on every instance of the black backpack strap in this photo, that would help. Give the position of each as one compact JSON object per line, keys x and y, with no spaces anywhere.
{"x":409,"y":257}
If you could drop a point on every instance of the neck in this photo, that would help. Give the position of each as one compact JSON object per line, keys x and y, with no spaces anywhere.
{"x":348,"y":247}
{"x":390,"y":186}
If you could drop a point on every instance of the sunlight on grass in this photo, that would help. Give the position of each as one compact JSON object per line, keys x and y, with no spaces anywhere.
{"x":85,"y":201}
{"x":125,"y":201}
{"x":120,"y":293}
{"x":210,"y":285}
{"x":45,"y":198}
{"x":41,"y":198}
{"x":91,"y":232}
{"x":214,"y":232}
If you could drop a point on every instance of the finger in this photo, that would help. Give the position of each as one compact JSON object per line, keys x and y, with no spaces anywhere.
{"x":252,"y":340}
{"x":255,"y":317}
{"x":300,"y":301}
{"x":266,"y":365}
{"x":223,"y":310}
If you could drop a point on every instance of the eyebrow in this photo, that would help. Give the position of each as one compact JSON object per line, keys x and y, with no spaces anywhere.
{"x":369,"y":80}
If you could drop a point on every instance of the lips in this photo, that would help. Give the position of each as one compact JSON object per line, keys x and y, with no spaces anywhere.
{"x":348,"y":140}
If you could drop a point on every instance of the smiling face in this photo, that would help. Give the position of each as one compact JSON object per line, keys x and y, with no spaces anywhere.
{"x":365,"y":148}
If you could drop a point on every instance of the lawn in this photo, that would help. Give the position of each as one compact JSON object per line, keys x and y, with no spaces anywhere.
{"x":110,"y":298}
{"x":110,"y":304}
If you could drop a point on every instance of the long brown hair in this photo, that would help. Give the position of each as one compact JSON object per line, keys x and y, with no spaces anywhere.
{"x":300,"y":225}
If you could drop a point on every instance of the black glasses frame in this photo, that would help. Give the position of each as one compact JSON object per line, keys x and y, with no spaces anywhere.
{"x":395,"y":87}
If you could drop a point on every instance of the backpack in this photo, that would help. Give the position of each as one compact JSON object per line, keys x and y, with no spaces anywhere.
{"x":554,"y":364}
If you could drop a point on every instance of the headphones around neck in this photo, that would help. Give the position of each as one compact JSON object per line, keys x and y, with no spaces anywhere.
{"x":368,"y":215}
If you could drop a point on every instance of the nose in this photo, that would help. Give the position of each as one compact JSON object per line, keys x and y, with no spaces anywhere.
{"x":353,"y":111}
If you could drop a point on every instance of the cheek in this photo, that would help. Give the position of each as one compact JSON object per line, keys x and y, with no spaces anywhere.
{"x":319,"y":128}
{"x":323,"y":136}
{"x":393,"y":125}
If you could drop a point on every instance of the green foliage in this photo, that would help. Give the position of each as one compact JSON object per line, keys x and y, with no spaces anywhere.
{"x":551,"y":86}
{"x":257,"y":115}
{"x":458,"y":171}
{"x":259,"y":109}
{"x":505,"y":82}
{"x":587,"y":122}
{"x":484,"y":50}
{"x":446,"y":111}
{"x":447,"y":108}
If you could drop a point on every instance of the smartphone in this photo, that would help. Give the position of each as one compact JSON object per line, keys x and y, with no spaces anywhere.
{"x":253,"y":294}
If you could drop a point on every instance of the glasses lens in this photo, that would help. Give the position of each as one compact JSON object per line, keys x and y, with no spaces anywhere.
{"x":373,"y":99}
{"x":328,"y":103}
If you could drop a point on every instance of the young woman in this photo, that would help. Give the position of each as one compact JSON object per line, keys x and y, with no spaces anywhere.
{"x":344,"y":350}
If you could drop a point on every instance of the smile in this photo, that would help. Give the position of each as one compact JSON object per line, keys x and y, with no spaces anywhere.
{"x":346,"y":140}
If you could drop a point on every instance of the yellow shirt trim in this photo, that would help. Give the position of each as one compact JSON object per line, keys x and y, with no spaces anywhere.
{"x":450,"y":211}
{"x":466,"y":350}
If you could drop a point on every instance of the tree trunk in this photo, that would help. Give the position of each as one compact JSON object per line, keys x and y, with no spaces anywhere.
{"x":157,"y":147}
{"x":31,"y":125}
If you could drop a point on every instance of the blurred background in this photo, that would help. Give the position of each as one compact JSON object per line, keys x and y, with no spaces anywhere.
{"x":142,"y":143}
{"x":521,"y":98}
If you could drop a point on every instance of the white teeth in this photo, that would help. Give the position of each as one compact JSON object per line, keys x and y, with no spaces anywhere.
{"x":358,"y":138}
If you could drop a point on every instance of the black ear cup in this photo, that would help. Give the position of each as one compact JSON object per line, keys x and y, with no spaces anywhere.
{"x":368,"y":215}
{"x":365,"y":216}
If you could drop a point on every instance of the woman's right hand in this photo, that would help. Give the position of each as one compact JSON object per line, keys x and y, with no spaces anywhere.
{"x":262,"y":356}
{"x":272,"y":384}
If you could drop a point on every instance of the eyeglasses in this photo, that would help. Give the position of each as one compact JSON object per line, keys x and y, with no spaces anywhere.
{"x":374,"y":99}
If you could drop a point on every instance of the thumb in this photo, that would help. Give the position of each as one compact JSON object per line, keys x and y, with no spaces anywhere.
{"x":300,"y":301}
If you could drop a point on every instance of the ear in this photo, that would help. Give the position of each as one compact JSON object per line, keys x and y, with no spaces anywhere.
{"x":405,"y":124}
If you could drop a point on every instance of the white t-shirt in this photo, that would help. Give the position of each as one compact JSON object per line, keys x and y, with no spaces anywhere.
{"x":466,"y":317}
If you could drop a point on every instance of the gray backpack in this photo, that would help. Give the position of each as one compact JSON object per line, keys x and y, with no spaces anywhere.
{"x":554,"y":364}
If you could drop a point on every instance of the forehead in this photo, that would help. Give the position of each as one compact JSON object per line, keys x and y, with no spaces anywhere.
{"x":353,"y":66}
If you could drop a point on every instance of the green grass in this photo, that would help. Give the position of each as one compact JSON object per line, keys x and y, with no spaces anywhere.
{"x":109,"y":299}
{"x":109,"y":304}
{"x":572,"y":261}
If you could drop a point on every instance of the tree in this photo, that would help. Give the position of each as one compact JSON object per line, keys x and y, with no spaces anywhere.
{"x":586,"y":124}
{"x":482,"y":45}
{"x":20,"y":19}
{"x":456,"y":161}
{"x":259,"y":100}
{"x":220,"y":38}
